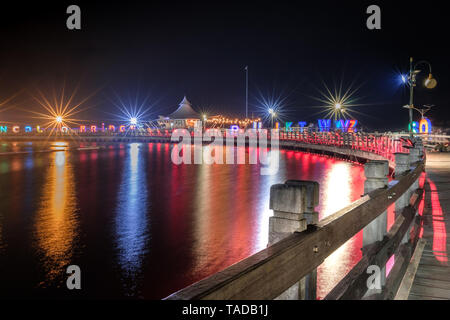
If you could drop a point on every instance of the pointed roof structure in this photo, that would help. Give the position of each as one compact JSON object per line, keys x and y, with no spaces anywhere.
{"x":184,"y":111}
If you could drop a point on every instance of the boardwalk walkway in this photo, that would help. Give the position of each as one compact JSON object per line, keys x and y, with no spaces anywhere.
{"x":432,"y":280}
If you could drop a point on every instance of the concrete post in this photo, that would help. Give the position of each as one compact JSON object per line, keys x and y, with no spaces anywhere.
{"x":419,"y":145}
{"x":402,"y":166}
{"x":310,"y":198}
{"x":293,"y":205}
{"x":286,"y":203}
{"x":376,"y":172}
{"x":401,"y":163}
{"x":414,"y":156}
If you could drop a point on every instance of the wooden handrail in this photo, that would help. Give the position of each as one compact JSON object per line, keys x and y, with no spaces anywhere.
{"x":353,"y":285}
{"x":268,"y":273}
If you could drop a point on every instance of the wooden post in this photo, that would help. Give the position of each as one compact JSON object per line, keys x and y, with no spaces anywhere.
{"x":376,"y":172}
{"x":293,"y":204}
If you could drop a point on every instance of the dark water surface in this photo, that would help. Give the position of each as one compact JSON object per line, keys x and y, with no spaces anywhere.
{"x":140,"y":226}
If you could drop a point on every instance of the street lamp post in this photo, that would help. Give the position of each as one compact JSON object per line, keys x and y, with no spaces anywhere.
{"x":246,"y":92}
{"x":412,"y":80}
{"x":430,"y":83}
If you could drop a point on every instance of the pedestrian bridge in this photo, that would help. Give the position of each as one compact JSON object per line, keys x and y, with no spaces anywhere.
{"x":299,"y":243}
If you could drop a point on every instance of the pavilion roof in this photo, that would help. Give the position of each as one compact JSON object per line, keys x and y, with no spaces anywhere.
{"x":184,"y":111}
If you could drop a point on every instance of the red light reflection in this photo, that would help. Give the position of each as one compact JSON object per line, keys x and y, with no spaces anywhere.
{"x":439,"y":230}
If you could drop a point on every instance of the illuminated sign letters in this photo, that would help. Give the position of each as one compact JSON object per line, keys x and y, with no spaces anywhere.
{"x":324,"y":125}
{"x":424,"y":126}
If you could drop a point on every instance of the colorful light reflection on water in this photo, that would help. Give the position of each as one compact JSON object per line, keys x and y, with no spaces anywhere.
{"x":56,"y":219}
{"x":140,"y":226}
{"x":132,"y":218}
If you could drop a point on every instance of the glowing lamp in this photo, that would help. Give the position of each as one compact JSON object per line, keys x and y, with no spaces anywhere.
{"x":59,"y":119}
{"x":337,"y":105}
{"x":403,"y":78}
{"x":430,"y":82}
{"x":133,"y":121}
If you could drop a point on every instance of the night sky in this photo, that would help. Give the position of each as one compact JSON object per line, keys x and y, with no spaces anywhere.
{"x":164,"y":50}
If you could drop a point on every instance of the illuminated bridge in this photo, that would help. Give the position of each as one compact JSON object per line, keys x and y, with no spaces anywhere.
{"x":394,"y":166}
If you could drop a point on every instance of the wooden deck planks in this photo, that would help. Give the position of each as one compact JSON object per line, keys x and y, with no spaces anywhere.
{"x":407,"y":281}
{"x":432,"y":278}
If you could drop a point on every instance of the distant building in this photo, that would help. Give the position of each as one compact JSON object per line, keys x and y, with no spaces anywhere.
{"x":184,"y":117}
